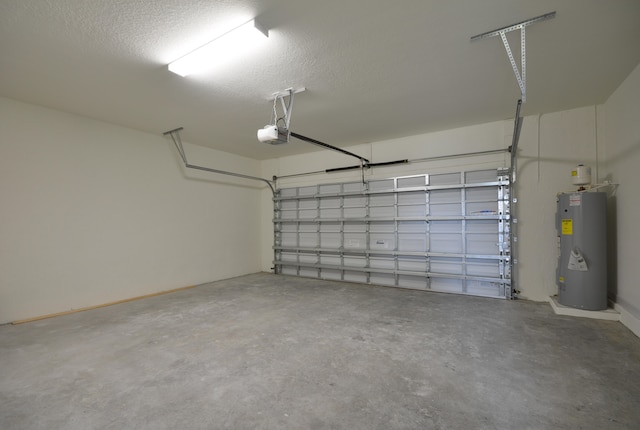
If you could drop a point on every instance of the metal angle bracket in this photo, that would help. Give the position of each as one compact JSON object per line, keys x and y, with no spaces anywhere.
{"x":287,"y":92}
{"x":521,"y":75}
{"x":177,"y":141}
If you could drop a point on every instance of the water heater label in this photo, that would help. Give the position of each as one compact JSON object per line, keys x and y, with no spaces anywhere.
{"x":567,"y":227}
{"x":575,"y":199}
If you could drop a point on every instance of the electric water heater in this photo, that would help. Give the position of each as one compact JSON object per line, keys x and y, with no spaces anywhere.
{"x":581,"y":275}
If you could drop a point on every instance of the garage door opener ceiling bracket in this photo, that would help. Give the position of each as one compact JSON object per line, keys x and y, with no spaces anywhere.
{"x":278,"y":132}
{"x":521,"y":75}
{"x":177,"y":141}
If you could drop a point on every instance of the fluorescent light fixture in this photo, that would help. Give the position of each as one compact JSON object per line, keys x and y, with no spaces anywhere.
{"x":221,"y":49}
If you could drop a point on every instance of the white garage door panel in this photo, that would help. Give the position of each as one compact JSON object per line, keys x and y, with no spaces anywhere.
{"x":413,"y":264}
{"x":445,"y":232}
{"x":443,"y":265}
{"x":330,"y":240}
{"x":355,"y":277}
{"x":350,"y":261}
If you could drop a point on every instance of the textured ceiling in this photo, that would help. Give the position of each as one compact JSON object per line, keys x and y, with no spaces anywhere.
{"x":373,"y":69}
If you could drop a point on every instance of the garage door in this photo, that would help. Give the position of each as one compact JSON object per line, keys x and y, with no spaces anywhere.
{"x":441,"y":232}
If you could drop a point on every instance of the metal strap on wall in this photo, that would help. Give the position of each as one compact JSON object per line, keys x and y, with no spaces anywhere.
{"x":513,"y":220}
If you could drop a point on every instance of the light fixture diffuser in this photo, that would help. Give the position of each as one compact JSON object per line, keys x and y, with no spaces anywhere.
{"x":221,"y":49}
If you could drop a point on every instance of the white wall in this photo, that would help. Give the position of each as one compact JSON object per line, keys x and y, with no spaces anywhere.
{"x":550,"y":146}
{"x":92,"y":213}
{"x":620,"y":127}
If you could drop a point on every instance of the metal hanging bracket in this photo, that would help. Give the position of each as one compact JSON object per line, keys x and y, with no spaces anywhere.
{"x":276,"y":134}
{"x":521,"y":75}
{"x":277,"y":131}
{"x":287,"y":106}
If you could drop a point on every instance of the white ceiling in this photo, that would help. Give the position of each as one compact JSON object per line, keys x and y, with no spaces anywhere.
{"x":373,"y":69}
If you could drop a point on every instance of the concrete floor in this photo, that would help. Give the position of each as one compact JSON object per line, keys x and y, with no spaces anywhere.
{"x":274,"y":352}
